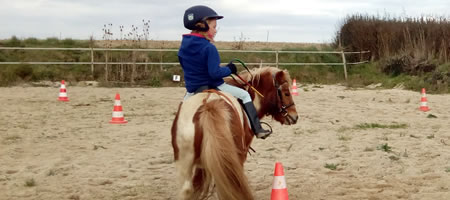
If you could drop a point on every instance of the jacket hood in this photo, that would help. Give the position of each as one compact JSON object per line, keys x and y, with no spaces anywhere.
{"x":193,"y":43}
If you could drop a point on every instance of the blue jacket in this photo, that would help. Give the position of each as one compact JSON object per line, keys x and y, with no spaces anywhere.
{"x":200,"y":61}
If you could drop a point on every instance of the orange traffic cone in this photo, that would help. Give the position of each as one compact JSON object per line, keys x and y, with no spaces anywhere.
{"x":279,"y":189}
{"x":423,"y":102}
{"x":294,"y":88}
{"x":63,"y":92}
{"x":117,"y":115}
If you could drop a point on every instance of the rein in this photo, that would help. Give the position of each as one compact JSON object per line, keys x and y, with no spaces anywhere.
{"x":282,"y":108}
{"x":248,"y":84}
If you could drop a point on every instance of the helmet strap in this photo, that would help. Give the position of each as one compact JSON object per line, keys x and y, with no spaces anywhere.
{"x":202,"y":25}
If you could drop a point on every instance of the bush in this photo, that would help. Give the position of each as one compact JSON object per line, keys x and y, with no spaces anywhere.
{"x":7,"y":75}
{"x":155,"y":82}
{"x":13,"y":42}
{"x":52,"y":41}
{"x":44,"y":73}
{"x":385,"y":36}
{"x":407,"y":64}
{"x":32,"y":42}
{"x":68,"y":42}
{"x":24,"y":71}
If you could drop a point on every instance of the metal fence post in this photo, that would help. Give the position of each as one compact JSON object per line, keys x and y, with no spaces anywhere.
{"x":91,"y":44}
{"x":276,"y":58}
{"x":344,"y":62}
{"x":133,"y":67}
{"x":161,"y":60}
{"x":106,"y":65}
{"x":92,"y":61}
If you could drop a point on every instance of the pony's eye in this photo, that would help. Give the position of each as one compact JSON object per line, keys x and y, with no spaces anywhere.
{"x":287,"y":94}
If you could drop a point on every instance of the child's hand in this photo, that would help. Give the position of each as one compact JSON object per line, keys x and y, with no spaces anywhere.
{"x":232,"y":68}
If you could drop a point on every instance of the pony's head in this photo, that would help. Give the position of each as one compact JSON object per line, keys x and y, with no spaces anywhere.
{"x":274,"y":84}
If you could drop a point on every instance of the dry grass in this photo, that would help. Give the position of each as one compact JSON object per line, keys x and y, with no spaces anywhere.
{"x":165,"y":44}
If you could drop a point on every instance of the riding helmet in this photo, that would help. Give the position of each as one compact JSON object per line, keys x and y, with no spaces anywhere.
{"x":199,"y":13}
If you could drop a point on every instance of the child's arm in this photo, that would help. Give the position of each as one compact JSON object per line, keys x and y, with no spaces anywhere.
{"x":214,"y":69}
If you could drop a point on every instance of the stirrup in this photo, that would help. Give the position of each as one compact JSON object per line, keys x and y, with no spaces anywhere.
{"x":264,"y":133}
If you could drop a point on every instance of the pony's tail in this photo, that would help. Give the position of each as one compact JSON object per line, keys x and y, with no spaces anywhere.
{"x":220,"y":156}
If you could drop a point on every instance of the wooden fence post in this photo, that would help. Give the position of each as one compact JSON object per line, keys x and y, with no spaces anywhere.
{"x":344,"y":62}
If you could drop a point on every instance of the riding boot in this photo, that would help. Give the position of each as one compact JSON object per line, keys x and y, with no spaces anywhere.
{"x":254,"y":121}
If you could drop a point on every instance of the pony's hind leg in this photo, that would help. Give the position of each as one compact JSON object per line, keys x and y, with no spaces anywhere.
{"x":193,"y":184}
{"x":195,"y":188}
{"x":187,"y":188}
{"x":187,"y":191}
{"x":201,"y":182}
{"x":185,"y":173}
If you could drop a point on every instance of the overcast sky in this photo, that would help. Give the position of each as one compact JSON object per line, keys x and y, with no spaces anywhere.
{"x":257,"y":20}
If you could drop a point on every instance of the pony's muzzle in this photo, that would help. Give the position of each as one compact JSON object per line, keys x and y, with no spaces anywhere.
{"x":291,"y":119}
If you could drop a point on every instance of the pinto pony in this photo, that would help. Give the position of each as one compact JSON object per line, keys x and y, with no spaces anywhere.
{"x":211,"y":134}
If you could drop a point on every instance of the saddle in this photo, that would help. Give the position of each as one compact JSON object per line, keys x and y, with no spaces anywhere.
{"x":216,"y":90}
{"x":209,"y":89}
{"x":205,"y":87}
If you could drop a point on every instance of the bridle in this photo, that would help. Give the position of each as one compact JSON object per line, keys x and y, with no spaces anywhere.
{"x":279,"y":100}
{"x":282,"y":108}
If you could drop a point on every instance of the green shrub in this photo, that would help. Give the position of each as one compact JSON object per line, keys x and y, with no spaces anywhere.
{"x":43,"y":73}
{"x":24,"y":71}
{"x":34,"y":42}
{"x":7,"y":75}
{"x":52,"y":41}
{"x":155,"y":82}
{"x":12,"y":42}
{"x":331,"y":166}
{"x":406,"y":64}
{"x":68,"y":42}
{"x":384,"y":147}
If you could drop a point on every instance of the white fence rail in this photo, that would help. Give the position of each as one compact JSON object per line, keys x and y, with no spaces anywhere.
{"x":161,"y":63}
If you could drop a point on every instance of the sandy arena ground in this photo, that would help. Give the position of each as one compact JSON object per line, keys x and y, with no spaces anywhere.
{"x":53,"y":150}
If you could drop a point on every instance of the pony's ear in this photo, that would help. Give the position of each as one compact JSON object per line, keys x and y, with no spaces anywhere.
{"x":279,"y":76}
